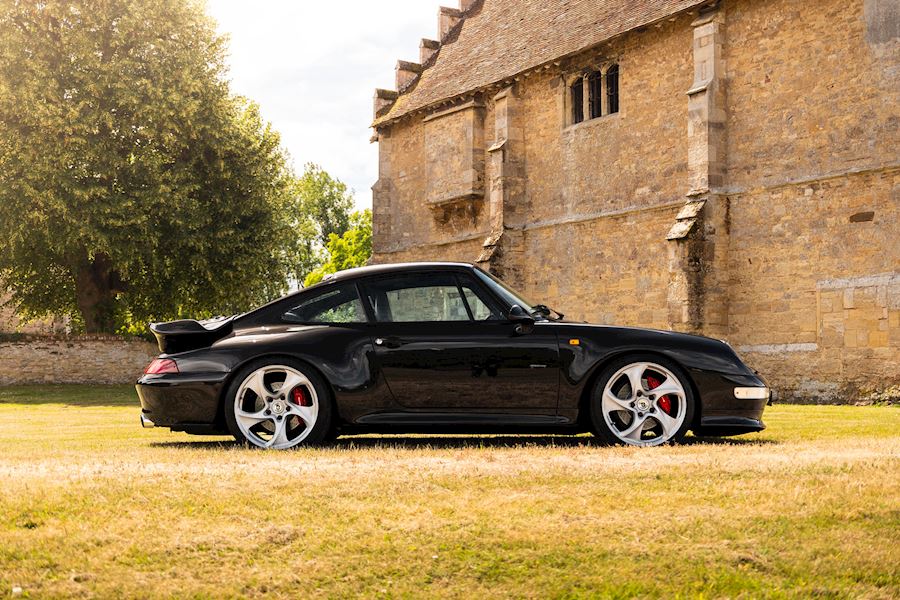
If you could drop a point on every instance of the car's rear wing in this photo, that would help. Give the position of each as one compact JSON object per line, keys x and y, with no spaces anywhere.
{"x":187,"y":334}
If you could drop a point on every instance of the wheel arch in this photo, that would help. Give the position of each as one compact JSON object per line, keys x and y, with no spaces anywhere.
{"x":584,"y":416}
{"x":226,"y":383}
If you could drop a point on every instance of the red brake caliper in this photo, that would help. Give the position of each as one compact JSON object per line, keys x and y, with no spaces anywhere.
{"x":665,"y":402}
{"x":300,"y":397}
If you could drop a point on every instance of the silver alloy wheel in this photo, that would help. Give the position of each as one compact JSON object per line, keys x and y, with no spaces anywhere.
{"x":634,"y":400}
{"x":267,"y":412}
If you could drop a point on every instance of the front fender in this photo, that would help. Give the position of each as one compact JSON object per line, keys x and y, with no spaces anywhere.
{"x":597,"y":346}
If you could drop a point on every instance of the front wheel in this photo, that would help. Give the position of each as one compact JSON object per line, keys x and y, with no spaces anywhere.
{"x":278,"y":404}
{"x":642,"y":401}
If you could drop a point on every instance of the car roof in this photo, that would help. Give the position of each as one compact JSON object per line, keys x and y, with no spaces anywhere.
{"x":351,"y":274}
{"x":392,"y":268}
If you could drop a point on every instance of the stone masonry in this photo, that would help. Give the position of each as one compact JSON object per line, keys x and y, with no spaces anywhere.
{"x":748,"y":188}
{"x":80,"y":359}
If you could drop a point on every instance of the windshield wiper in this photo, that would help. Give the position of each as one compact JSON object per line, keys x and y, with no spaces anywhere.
{"x":545,"y":311}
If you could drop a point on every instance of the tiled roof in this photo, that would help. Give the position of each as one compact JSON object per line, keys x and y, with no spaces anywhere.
{"x":502,"y":38}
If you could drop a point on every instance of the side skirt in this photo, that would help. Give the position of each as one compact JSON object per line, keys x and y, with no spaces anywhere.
{"x":453,"y":422}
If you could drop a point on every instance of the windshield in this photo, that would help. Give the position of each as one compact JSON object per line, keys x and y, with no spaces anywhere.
{"x":508,"y":295}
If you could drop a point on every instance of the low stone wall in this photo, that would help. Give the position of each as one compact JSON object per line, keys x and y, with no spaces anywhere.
{"x":73,"y":359}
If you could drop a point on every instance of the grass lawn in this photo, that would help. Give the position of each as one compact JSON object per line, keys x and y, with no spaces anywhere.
{"x":92,"y":505}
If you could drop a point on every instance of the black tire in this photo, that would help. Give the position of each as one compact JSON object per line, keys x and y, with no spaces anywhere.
{"x":323,"y":428}
{"x":599,"y":425}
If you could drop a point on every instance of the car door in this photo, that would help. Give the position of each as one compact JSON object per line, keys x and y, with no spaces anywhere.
{"x":442,"y":344}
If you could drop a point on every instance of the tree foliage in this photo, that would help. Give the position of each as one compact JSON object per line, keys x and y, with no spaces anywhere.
{"x":133,"y":184}
{"x":322,"y":208}
{"x":326,"y":200}
{"x":352,"y":249}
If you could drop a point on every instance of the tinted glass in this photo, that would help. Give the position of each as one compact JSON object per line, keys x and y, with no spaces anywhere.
{"x":416,"y":298}
{"x":338,"y":304}
{"x":509,"y":295}
{"x":481,"y":311}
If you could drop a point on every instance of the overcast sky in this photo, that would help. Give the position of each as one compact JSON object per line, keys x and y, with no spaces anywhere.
{"x":313,"y":67}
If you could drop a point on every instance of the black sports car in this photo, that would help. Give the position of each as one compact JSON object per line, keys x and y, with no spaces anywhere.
{"x":438,"y":347}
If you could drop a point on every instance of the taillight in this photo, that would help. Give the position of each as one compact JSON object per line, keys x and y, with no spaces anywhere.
{"x":160,"y":366}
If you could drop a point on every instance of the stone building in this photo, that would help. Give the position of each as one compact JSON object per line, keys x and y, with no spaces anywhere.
{"x":729,"y":168}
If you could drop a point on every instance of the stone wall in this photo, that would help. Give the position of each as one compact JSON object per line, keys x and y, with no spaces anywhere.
{"x":815,"y":283}
{"x":75,"y":359}
{"x":611,"y":270}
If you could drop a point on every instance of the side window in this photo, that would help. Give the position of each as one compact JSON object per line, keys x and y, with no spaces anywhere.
{"x":481,"y":309}
{"x":337,"y":304}
{"x":417,"y":298}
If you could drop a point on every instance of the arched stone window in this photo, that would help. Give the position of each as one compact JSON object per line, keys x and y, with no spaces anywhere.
{"x":595,"y":94}
{"x":612,"y":89}
{"x":592,"y":94}
{"x":577,"y":100}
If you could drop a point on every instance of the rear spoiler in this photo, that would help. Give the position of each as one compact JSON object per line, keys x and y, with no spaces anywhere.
{"x":187,"y":334}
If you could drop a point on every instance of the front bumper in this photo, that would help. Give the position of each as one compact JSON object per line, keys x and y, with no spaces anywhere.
{"x":730,"y":404}
{"x":182,"y":402}
{"x":725,"y":426}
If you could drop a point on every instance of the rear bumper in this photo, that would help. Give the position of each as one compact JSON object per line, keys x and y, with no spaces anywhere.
{"x":181,"y":401}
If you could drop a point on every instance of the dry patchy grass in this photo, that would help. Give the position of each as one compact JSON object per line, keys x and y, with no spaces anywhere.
{"x":92,"y":505}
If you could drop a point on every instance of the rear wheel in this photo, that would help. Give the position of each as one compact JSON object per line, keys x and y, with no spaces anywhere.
{"x":642,"y":401}
{"x":278,"y":404}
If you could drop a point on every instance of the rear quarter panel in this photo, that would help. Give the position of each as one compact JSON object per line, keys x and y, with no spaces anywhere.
{"x":342,"y":354}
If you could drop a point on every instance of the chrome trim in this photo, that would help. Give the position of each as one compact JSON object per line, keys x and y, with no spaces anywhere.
{"x":752,"y":393}
{"x":146,"y":423}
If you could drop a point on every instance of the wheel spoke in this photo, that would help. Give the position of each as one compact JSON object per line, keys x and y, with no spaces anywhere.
{"x":634,"y":431}
{"x":669,"y":425}
{"x":280,"y":436}
{"x":668,"y":387}
{"x":258,"y":385}
{"x":306,"y":413}
{"x":249,"y":419}
{"x":613,"y":402}
{"x":634,"y":375}
{"x":291,"y":381}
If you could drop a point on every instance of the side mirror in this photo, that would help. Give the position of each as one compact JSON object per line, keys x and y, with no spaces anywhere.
{"x":523,"y":321}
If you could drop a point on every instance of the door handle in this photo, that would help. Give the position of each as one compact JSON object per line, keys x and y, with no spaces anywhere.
{"x":389,"y":342}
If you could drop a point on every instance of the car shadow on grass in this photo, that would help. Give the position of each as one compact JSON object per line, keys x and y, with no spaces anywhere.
{"x":510,"y":441}
{"x":459,"y":442}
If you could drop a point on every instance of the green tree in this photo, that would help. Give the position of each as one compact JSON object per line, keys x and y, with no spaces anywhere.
{"x":352,"y":249}
{"x":325,"y":200}
{"x":322,"y":208}
{"x":132,"y":183}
